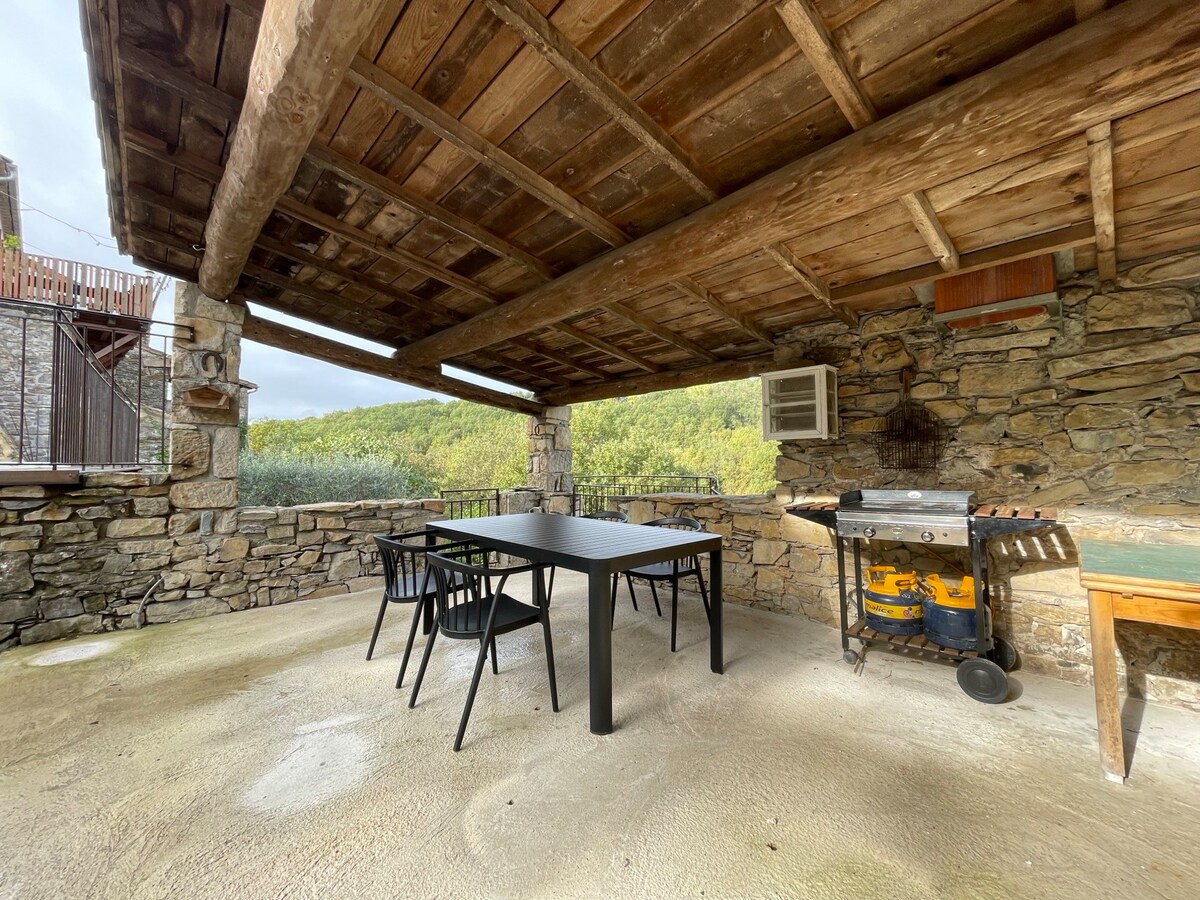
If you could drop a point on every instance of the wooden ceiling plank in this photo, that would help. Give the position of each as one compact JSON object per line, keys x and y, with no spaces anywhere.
{"x":811,"y":281}
{"x":1100,"y":173}
{"x":636,"y":319}
{"x":304,"y":49}
{"x":608,"y":347}
{"x":429,"y":115}
{"x":539,"y":33}
{"x":817,"y":44}
{"x":284,"y":337}
{"x":694,"y":289}
{"x":1085,"y":9}
{"x":367,"y":177}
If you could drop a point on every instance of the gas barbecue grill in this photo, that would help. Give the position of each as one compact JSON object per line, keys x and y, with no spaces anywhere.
{"x":945,"y":518}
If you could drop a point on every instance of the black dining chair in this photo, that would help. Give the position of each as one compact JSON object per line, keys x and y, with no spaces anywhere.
{"x":671,"y":571}
{"x":406,"y":579}
{"x":467,"y":608}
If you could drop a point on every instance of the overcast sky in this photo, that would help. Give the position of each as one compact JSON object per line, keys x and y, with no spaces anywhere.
{"x":48,"y":128}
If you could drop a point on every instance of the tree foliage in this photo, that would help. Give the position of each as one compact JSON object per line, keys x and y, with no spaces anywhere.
{"x":707,"y":430}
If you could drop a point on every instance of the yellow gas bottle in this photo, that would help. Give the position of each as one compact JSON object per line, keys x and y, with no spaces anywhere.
{"x":950,"y":616}
{"x":892,"y":600}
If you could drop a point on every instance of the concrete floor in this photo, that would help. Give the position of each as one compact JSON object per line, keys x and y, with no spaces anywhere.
{"x":257,"y":755}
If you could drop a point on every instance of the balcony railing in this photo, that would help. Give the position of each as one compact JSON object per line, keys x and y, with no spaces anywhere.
{"x":63,"y":282}
{"x":592,"y":492}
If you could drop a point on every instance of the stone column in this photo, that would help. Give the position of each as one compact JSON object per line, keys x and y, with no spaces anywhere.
{"x":205,"y":402}
{"x":550,"y":456}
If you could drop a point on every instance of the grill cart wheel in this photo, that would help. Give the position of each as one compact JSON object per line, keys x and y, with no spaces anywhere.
{"x":983,"y":680}
{"x":850,"y":657}
{"x":1004,"y":653}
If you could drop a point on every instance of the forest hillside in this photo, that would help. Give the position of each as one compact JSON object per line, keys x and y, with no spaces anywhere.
{"x":417,"y":448}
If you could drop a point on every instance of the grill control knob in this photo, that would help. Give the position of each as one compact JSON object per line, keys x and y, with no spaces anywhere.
{"x":869,"y":532}
{"x":927,"y":536}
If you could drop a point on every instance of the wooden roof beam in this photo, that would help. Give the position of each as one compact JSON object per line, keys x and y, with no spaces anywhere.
{"x":294,"y":340}
{"x":628,"y":314}
{"x":1100,"y":174}
{"x":608,"y":347}
{"x":300,"y":58}
{"x":365,"y":74}
{"x":539,"y":33}
{"x":1085,"y":9}
{"x":808,"y":28}
{"x":1033,"y":100}
{"x":725,"y":370}
{"x":812,"y":282}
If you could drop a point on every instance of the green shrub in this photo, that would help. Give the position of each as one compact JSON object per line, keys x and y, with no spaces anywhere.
{"x":293,"y":479}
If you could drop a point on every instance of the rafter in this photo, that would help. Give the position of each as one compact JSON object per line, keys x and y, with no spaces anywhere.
{"x":625,"y":312}
{"x":697,"y":291}
{"x":365,"y":74}
{"x":1100,"y":174}
{"x":1032,"y":100}
{"x":810,"y":32}
{"x":301,"y":55}
{"x":296,"y":341}
{"x":608,"y":347}
{"x":539,"y":33}
{"x":1085,"y":9}
{"x":813,"y":283}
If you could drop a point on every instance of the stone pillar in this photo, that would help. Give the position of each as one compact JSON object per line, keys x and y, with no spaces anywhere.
{"x":550,"y":456}
{"x":205,"y":413}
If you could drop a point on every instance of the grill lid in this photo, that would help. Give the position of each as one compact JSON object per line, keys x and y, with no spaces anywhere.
{"x":946,"y":503}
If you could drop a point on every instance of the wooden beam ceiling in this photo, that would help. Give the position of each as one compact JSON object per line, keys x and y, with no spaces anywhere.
{"x":365,"y":74}
{"x":1033,"y":100}
{"x":540,"y":34}
{"x":726,"y":370}
{"x":284,"y":337}
{"x":1100,"y":174}
{"x":810,"y":32}
{"x":303,"y":50}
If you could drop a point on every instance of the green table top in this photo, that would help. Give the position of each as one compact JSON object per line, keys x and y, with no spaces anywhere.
{"x":1178,"y":563}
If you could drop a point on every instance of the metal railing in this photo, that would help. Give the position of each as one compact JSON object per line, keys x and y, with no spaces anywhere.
{"x":78,"y":396}
{"x":471,"y":503}
{"x":64,"y":282}
{"x":592,"y":492}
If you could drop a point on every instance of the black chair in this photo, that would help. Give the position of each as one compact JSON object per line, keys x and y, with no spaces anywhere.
{"x":608,"y":516}
{"x":468,"y":609}
{"x":667,"y":571}
{"x":406,"y":580}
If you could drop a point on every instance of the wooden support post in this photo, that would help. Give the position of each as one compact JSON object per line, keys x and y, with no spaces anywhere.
{"x":1100,"y":173}
{"x":304,"y":48}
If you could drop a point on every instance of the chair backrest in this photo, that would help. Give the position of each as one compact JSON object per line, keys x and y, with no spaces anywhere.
{"x":608,"y":516}
{"x":403,"y":558}
{"x":679,"y":523}
{"x":460,"y":591}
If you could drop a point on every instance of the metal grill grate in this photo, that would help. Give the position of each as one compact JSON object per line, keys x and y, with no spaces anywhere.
{"x":911,"y":438}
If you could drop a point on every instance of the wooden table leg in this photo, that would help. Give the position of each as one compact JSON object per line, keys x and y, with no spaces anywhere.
{"x":1104,"y":677}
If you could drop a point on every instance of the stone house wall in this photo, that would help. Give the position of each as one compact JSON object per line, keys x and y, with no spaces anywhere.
{"x":1102,"y":409}
{"x":780,"y":563}
{"x":81,"y":560}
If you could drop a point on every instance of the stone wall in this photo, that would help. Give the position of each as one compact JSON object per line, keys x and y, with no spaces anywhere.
{"x":1102,"y":408}
{"x":115,"y":552}
{"x":783,"y":564}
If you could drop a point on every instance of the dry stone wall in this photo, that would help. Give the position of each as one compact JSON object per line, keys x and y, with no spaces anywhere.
{"x":115,"y":552}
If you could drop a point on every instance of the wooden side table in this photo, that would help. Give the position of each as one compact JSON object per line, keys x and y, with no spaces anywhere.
{"x":1154,"y":583}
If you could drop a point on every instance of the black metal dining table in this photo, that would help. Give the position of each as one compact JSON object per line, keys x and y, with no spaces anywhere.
{"x":600,"y":549}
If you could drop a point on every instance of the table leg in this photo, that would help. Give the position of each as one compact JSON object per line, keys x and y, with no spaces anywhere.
{"x":600,"y":651}
{"x":1104,"y":677}
{"x":716,"y":637}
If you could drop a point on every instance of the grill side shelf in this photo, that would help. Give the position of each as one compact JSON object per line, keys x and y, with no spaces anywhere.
{"x":821,"y":513}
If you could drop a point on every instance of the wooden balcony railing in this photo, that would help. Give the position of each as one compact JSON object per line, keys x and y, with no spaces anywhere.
{"x":44,"y":279}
